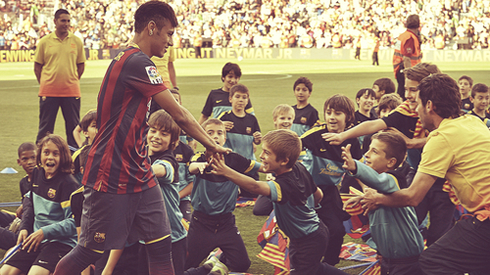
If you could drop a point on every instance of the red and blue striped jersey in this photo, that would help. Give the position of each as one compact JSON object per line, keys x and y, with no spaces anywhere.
{"x":118,"y":161}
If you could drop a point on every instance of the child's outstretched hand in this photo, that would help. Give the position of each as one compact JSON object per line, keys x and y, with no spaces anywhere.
{"x":218,"y":165}
{"x":333,"y":138}
{"x":349,"y":163}
{"x":201,"y":166}
{"x":257,"y":137}
{"x":228,"y":125}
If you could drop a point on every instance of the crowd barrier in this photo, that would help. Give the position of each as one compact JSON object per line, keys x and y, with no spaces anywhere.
{"x":384,"y":55}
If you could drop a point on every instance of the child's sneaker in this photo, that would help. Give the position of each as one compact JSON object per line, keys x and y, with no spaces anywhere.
{"x":211,"y":262}
{"x":219,"y":269}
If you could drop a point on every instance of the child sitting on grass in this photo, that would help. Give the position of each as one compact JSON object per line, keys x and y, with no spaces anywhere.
{"x":394,"y":230}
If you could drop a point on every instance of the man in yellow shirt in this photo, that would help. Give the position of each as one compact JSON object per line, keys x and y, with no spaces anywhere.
{"x":165,"y":66}
{"x":456,"y":149}
{"x":58,"y":64}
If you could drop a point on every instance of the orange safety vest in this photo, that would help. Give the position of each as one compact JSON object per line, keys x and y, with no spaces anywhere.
{"x":416,"y":57}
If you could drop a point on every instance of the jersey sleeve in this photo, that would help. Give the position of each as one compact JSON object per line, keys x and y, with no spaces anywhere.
{"x":242,"y":164}
{"x":314,"y":117}
{"x":76,"y":202}
{"x":276,"y":191}
{"x":408,"y":48}
{"x":170,"y":172}
{"x":207,"y":110}
{"x":249,"y":109}
{"x":384,"y":182}
{"x":143,"y":76}
{"x":39,"y":54}
{"x":437,"y":156}
{"x":393,"y":119}
{"x":256,"y":125}
{"x":355,"y":149}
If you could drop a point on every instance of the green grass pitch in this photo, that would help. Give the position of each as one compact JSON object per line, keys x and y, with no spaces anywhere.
{"x":270,"y":83}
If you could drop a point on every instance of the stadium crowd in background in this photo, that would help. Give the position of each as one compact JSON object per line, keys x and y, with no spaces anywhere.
{"x":257,"y":23}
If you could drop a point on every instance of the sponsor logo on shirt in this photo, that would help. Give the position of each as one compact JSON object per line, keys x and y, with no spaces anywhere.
{"x":153,"y":75}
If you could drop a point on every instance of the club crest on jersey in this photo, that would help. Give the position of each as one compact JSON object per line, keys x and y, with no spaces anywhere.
{"x":303,"y":120}
{"x":466,"y":106}
{"x":153,"y":75}
{"x":249,"y":130}
{"x":99,"y":237}
{"x":179,"y":157}
{"x":51,"y":193}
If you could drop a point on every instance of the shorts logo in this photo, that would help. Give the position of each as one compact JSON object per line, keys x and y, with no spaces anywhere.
{"x":179,"y":157}
{"x":303,"y":120}
{"x":99,"y":237}
{"x":249,"y":130}
{"x":153,"y":75}
{"x":51,"y":193}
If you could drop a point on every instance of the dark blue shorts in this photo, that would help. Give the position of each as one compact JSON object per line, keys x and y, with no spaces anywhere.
{"x":109,"y":220}
{"x":47,"y":256}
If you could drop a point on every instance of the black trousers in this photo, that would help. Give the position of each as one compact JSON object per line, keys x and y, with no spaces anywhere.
{"x":463,"y":249}
{"x":305,"y":254}
{"x":332,"y":215}
{"x":209,"y":232}
{"x":375,"y":58}
{"x":48,"y":110}
{"x":402,"y":266}
{"x":441,"y":209}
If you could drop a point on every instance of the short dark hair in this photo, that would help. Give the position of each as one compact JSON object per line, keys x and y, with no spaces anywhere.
{"x":162,"y":120}
{"x":443,"y":92}
{"x":421,"y":71}
{"x":385,"y":84}
{"x":228,"y":67}
{"x":362,"y":92}
{"x":87,"y":119}
{"x":344,"y":104}
{"x":239,"y":88}
{"x":156,"y":11}
{"x":390,"y":101}
{"x":284,"y":144}
{"x":305,"y":81}
{"x":65,"y":156}
{"x":470,"y":80}
{"x":26,"y":146}
{"x":396,"y":147}
{"x":413,"y":21}
{"x":59,"y":12}
{"x":479,"y":88}
{"x":84,"y":155}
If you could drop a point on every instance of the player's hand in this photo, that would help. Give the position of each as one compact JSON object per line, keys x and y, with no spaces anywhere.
{"x":33,"y":241}
{"x":369,"y":200}
{"x":218,"y":165}
{"x":22,"y":236}
{"x":333,"y":138}
{"x":352,"y":202}
{"x":202,"y":166}
{"x":257,"y":137}
{"x":216,"y":149}
{"x":349,"y":162}
{"x":228,"y":125}
{"x":19,"y":211}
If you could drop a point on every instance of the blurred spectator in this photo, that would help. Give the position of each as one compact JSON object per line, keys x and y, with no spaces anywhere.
{"x":260,"y":23}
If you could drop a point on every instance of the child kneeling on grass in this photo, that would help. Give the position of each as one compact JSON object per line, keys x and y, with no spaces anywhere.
{"x":394,"y":230}
{"x":294,"y":195}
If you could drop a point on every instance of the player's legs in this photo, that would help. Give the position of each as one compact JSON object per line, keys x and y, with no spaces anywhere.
{"x":8,"y":239}
{"x":463,"y":249}
{"x":185,"y":209}
{"x":6,"y":218}
{"x":235,"y":255}
{"x":179,"y":253}
{"x":76,"y":261}
{"x":70,"y":106}
{"x":48,"y":109}
{"x":200,"y":239}
{"x":331,"y":215}
{"x":160,"y":256}
{"x":441,"y":214}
